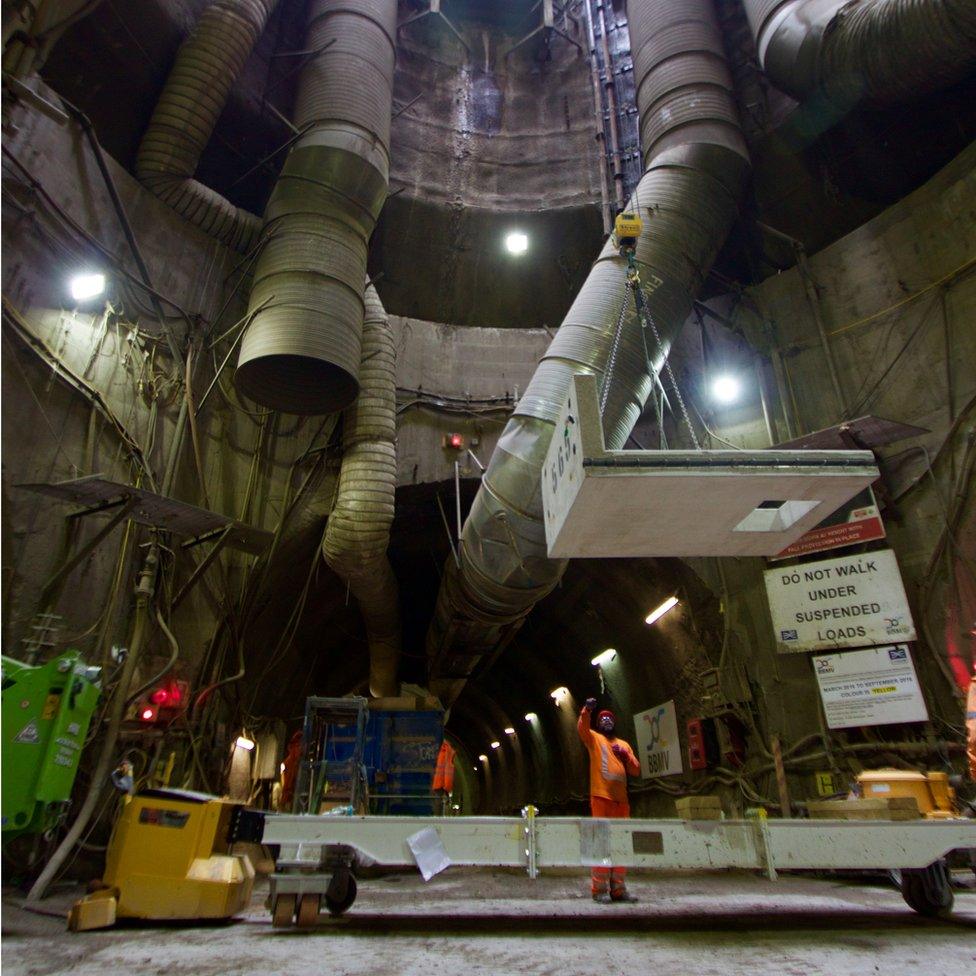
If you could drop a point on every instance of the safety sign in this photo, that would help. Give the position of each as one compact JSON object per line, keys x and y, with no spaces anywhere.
{"x":877,"y":686}
{"x":852,"y":601}
{"x":658,"y":747}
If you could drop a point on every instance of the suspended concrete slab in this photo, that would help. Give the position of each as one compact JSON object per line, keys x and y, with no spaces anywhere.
{"x":601,"y":503}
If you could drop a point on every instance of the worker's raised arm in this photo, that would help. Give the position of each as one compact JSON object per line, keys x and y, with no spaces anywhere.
{"x":583,"y":725}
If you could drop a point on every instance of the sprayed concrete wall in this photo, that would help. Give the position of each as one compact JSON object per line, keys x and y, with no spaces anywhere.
{"x":254,"y":463}
{"x":486,"y":143}
{"x":897,"y":297}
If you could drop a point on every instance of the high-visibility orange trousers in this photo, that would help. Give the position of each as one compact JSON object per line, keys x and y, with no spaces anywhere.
{"x":608,"y":881}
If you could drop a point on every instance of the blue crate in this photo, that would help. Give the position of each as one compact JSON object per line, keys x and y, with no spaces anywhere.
{"x":400,"y":756}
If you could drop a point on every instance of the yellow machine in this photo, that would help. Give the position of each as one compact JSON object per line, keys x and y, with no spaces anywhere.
{"x":169,"y":858}
{"x":936,"y":798}
{"x":627,"y":229}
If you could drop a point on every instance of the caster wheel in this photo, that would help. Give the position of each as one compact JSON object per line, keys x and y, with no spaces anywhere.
{"x":308,"y":910}
{"x":928,"y":890}
{"x":284,"y":911}
{"x":341,"y":894}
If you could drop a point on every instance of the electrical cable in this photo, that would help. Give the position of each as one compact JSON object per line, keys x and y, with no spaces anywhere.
{"x":170,"y":663}
{"x":18,"y":325}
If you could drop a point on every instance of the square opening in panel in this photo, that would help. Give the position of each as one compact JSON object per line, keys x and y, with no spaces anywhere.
{"x":775,"y":515}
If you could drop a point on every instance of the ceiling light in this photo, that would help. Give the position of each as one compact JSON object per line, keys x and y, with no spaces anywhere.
{"x":509,"y":731}
{"x":560,"y":694}
{"x":726,"y":389}
{"x":495,"y":745}
{"x":243,"y":742}
{"x":531,"y":717}
{"x":658,"y":612}
{"x":516,"y":242}
{"x":85,"y":286}
{"x":483,"y":758}
{"x":604,"y":657}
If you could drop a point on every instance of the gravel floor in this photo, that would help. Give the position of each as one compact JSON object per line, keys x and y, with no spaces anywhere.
{"x":497,"y":923}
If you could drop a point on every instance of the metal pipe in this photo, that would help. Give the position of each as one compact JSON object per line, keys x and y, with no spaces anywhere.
{"x":301,"y":353}
{"x":612,"y":110}
{"x":696,"y":165}
{"x":195,"y":93}
{"x":875,"y":51}
{"x":358,"y":531}
{"x":116,"y":712}
{"x":598,"y":114}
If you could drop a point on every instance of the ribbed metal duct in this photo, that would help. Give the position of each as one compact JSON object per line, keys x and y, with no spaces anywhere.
{"x":877,"y":51}
{"x":696,"y":163}
{"x":358,"y":531}
{"x":301,"y":351}
{"x":195,"y":93}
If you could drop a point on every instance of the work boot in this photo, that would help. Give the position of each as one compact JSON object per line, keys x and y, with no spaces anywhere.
{"x":625,"y":897}
{"x":602,"y":898}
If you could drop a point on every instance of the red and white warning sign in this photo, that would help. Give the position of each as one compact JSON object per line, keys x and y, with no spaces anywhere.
{"x":857,"y":521}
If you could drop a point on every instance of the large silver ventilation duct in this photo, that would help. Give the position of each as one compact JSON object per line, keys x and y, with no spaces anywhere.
{"x":877,"y":51}
{"x":301,"y":350}
{"x":696,"y":164}
{"x":358,"y":531}
{"x":195,"y":93}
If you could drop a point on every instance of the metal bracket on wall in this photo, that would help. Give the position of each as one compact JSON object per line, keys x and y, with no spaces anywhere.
{"x":548,"y":26}
{"x":434,"y":7}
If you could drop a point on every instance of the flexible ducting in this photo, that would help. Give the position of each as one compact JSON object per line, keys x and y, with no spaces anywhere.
{"x":696,"y":164}
{"x":193,"y":97}
{"x":301,"y":351}
{"x":358,"y":531}
{"x":876,"y":51}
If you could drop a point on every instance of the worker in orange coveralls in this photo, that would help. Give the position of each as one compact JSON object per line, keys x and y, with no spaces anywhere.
{"x":290,"y":775}
{"x":611,"y":760}
{"x":971,"y":725}
{"x":444,"y":776}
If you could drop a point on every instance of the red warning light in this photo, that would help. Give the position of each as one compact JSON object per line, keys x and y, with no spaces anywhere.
{"x":164,"y":702}
{"x":454,"y":442}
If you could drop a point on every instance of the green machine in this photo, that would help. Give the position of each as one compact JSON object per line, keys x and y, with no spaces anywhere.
{"x":46,"y":713}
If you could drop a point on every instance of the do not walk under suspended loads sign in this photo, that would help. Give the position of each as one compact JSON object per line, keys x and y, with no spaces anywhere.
{"x":852,"y":601}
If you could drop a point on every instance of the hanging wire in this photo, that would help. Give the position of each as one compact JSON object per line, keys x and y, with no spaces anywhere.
{"x":647,"y":320}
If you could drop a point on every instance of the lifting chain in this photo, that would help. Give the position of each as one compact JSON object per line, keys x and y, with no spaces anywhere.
{"x":646,"y":321}
{"x":612,"y":360}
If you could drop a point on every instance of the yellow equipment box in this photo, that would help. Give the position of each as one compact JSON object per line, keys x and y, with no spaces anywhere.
{"x":169,"y":858}
{"x":935,"y":797}
{"x":628,"y":227}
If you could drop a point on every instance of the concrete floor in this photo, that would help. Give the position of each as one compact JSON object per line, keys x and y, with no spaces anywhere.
{"x":496,"y":923}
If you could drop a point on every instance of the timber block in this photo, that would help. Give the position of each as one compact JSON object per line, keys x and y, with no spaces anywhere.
{"x":873,"y":808}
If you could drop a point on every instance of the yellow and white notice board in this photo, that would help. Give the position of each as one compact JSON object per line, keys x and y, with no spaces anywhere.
{"x":876,"y":686}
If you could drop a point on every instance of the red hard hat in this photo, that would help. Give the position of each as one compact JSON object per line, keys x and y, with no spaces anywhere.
{"x":609,"y":715}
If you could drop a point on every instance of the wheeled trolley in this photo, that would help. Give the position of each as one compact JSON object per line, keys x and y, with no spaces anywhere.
{"x":317,"y":855}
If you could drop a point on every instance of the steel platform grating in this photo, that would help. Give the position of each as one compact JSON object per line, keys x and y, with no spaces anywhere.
{"x":98,"y":494}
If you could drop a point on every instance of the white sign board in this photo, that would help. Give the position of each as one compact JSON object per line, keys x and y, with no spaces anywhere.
{"x":853,"y":601}
{"x":877,"y":686}
{"x":658,"y":747}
